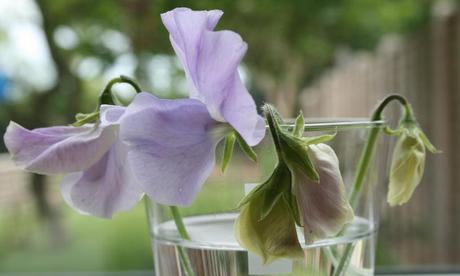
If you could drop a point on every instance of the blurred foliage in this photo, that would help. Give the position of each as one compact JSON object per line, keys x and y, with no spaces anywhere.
{"x":290,"y":42}
{"x":92,"y":244}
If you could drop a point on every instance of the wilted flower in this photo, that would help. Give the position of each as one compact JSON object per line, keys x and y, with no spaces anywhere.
{"x":408,"y":162}
{"x":323,"y":206}
{"x":99,"y":181}
{"x":306,"y":185}
{"x":266,"y":225}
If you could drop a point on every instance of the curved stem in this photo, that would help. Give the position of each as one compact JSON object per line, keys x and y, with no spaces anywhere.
{"x":365,"y":159}
{"x":368,"y":150}
{"x":183,"y":256}
{"x":106,"y":95}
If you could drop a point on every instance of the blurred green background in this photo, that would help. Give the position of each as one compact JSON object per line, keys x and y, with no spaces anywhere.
{"x":56,"y":56}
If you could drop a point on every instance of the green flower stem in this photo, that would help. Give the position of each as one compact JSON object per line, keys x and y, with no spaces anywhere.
{"x":363,"y":166}
{"x":364,"y":162}
{"x":183,"y":256}
{"x":369,"y":147}
{"x":106,"y":95}
{"x":179,"y":222}
{"x":345,"y":260}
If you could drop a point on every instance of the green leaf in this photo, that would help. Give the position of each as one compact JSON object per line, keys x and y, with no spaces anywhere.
{"x":229,"y":144}
{"x":299,"y":125}
{"x":246,"y":148}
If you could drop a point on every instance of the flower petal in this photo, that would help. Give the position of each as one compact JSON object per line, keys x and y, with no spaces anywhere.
{"x":272,"y":237}
{"x":323,"y":206}
{"x":265,"y":225}
{"x":170,"y":148}
{"x":186,"y":28}
{"x":56,"y":150}
{"x":210,"y":60}
{"x":106,"y":187}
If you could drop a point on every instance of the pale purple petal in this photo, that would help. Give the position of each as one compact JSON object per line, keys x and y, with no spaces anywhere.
{"x":210,"y":60}
{"x":106,"y":187}
{"x":170,"y":149}
{"x":111,"y":114}
{"x":186,"y":28}
{"x":323,"y":206}
{"x":56,"y":150}
{"x":240,"y":112}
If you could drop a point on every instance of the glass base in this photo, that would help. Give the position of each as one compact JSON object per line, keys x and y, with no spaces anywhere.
{"x":213,"y":250}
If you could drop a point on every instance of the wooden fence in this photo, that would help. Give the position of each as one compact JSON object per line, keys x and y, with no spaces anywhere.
{"x":424,"y":67}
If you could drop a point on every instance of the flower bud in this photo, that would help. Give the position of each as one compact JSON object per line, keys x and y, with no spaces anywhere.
{"x":408,"y":163}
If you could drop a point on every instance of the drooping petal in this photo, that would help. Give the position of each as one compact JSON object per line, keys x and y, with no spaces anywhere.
{"x":170,"y":148}
{"x":61,"y":149}
{"x":210,"y":60}
{"x":323,"y":206}
{"x":407,"y":167}
{"x":106,"y":187}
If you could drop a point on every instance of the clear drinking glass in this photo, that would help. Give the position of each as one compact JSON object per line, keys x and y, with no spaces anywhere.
{"x":213,"y":249}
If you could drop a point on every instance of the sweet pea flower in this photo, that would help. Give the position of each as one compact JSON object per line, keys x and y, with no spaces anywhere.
{"x":408,"y":162}
{"x":171,"y":146}
{"x":98,"y":180}
{"x":210,"y":59}
{"x":172,"y":142}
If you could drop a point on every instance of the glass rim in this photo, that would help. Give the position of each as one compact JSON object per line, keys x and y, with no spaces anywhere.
{"x":340,"y":123}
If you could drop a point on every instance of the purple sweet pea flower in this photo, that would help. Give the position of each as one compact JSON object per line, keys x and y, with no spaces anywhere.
{"x":210,"y":59}
{"x":172,"y":142}
{"x":171,"y":146}
{"x":99,"y":181}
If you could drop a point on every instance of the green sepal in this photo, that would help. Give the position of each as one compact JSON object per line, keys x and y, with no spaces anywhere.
{"x":428,"y":144}
{"x":290,"y":149}
{"x":299,"y":125}
{"x":278,"y":184}
{"x":245,"y":147}
{"x":295,"y":154}
{"x":318,"y":139}
{"x":291,"y":202}
{"x":229,"y":144}
{"x":82,"y":118}
{"x":394,"y":132}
